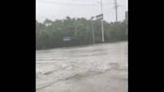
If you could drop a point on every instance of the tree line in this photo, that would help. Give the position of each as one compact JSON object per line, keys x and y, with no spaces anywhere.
{"x":76,"y":32}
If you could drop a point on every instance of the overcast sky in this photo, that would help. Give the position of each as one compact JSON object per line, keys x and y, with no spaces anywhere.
{"x":59,"y":9}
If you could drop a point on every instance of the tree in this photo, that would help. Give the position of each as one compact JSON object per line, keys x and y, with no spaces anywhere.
{"x":51,"y":34}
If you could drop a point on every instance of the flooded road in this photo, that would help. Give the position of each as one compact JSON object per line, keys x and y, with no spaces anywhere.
{"x":96,"y":68}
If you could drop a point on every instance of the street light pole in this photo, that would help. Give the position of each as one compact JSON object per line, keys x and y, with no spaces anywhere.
{"x":92,"y":28}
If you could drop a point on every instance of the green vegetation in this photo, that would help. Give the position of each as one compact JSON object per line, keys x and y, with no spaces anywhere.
{"x":76,"y":32}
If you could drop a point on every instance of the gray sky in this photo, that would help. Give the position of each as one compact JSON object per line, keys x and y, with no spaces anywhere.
{"x":59,"y":9}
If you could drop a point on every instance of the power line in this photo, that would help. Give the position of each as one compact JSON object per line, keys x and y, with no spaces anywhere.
{"x":72,"y":3}
{"x":67,"y":3}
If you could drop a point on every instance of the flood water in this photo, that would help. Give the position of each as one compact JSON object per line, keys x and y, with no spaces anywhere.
{"x":94,"y":68}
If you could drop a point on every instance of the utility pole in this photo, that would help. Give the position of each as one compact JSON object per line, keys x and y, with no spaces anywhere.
{"x":126,"y":21}
{"x":102,"y":23}
{"x":116,"y":9}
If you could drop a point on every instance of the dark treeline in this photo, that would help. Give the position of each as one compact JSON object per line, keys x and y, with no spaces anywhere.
{"x":73,"y":32}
